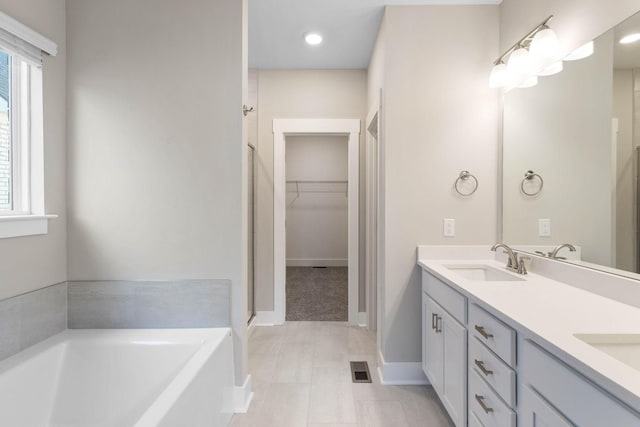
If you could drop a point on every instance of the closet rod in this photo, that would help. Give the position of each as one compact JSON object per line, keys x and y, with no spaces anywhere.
{"x":304,"y":181}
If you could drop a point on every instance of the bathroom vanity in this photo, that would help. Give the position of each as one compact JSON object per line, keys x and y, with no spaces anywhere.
{"x":504,"y":349}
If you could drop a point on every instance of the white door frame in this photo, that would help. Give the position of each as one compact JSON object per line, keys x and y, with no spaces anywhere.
{"x":287,"y":127}
{"x":372,"y":131}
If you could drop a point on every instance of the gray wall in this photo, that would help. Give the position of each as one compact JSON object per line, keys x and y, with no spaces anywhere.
{"x":292,"y":94}
{"x":156,"y":160}
{"x":625,"y":168}
{"x":29,"y":263}
{"x":439,"y":117}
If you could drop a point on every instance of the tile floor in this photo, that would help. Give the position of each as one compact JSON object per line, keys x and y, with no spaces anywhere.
{"x":301,"y":378}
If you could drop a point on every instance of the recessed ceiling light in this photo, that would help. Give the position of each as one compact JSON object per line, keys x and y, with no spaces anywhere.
{"x":313,"y":38}
{"x":630,"y":38}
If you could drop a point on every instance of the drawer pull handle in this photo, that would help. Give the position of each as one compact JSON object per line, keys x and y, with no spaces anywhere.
{"x":483,"y":405}
{"x":433,"y":320}
{"x":480,"y":365}
{"x":438,"y":322}
{"x":482,"y":332}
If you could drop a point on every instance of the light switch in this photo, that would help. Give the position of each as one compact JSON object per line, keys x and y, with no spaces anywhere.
{"x":544,"y":227}
{"x":449,"y":227}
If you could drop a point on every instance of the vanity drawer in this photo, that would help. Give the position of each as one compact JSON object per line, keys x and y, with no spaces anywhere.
{"x":452,"y":301}
{"x":500,"y":338}
{"x":574,"y":396}
{"x":487,"y":406}
{"x":494,"y":371}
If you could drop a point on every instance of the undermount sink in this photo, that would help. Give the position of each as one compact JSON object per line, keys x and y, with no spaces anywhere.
{"x":482,"y":273}
{"x":622,"y":347}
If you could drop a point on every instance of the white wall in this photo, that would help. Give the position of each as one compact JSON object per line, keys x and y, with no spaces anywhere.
{"x":29,"y":263}
{"x":561,"y":129}
{"x":625,"y":169}
{"x":439,"y":117}
{"x":156,"y":158}
{"x":317,"y":220}
{"x":295,"y":94}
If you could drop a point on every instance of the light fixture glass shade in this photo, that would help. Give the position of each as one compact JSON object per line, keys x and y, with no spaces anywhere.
{"x":313,"y":38}
{"x":530,"y":82}
{"x":551,"y":69}
{"x":519,"y":66}
{"x":499,"y":76}
{"x":631,"y":38}
{"x":581,"y":52}
{"x":544,"y":48}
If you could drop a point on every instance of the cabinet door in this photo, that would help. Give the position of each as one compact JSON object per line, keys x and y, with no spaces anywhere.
{"x":432,"y":343}
{"x":454,"y":368}
{"x":536,"y":412}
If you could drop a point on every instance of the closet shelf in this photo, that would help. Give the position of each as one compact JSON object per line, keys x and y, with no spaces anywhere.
{"x":317,"y":186}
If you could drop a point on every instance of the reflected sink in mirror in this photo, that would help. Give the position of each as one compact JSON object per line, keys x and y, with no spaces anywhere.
{"x":622,"y":347}
{"x":482,"y":273}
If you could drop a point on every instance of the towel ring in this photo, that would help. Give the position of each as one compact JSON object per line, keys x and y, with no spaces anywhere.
{"x":529,"y":176}
{"x":463,"y":177}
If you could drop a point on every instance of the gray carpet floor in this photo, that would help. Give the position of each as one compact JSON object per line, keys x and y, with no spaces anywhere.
{"x":317,"y":293}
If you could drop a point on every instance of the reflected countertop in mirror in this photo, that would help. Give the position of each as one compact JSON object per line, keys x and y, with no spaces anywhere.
{"x":575,"y":130}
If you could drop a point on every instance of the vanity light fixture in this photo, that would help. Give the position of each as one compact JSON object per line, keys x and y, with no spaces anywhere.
{"x":313,"y":38}
{"x":537,"y":53}
{"x":582,"y":52}
{"x":630,"y":38}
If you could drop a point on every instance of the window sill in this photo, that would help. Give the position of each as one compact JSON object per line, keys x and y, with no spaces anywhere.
{"x":24,"y":225}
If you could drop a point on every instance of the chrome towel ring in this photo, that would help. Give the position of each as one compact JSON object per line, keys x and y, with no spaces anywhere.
{"x":462,"y":178}
{"x":529,"y":176}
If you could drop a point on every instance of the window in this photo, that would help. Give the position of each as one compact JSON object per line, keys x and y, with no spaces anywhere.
{"x":15,"y":135}
{"x":22,"y":210}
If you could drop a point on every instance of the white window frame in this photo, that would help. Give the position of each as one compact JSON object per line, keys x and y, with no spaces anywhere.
{"x":28,"y":215}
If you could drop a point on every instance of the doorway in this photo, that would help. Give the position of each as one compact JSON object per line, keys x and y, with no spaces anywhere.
{"x":283,"y":128}
{"x":316,"y":227}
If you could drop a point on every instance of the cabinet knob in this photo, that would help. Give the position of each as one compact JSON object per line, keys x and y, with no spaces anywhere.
{"x":434,"y":320}
{"x":480,"y":365}
{"x":482,"y":332}
{"x":483,"y":405}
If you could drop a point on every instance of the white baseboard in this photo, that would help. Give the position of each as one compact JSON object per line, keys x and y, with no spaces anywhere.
{"x":337,"y":262}
{"x":267,"y":318}
{"x":242,"y":396}
{"x":362,"y":319}
{"x":401,"y":373}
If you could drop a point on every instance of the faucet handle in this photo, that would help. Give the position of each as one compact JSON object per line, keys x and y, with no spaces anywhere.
{"x":522,"y":268}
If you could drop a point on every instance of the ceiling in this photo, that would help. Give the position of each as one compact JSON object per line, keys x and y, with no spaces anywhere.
{"x":349,"y":29}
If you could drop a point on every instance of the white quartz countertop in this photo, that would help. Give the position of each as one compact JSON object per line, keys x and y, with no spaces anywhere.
{"x":554,"y":312}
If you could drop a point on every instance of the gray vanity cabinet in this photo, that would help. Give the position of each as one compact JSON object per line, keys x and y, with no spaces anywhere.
{"x":444,"y":346}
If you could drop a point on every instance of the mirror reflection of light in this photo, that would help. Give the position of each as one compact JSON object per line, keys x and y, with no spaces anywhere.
{"x":582,"y":52}
{"x":630,"y":38}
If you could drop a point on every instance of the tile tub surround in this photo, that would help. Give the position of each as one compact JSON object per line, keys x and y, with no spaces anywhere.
{"x":202,"y":303}
{"x":29,"y":318}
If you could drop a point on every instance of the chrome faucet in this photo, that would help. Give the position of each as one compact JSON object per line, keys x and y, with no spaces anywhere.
{"x":554,"y":254}
{"x":514,"y":263}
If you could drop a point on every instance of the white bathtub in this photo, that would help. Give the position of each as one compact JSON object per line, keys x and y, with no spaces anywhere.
{"x":121,"y":378}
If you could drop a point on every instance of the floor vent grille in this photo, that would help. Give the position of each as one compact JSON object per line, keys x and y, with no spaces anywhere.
{"x":360,"y":372}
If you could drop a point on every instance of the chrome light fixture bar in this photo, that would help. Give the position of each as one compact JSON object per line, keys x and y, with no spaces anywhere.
{"x":537,"y":53}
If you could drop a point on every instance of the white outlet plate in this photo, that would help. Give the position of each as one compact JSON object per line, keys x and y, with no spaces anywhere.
{"x":544,"y":227}
{"x":448,"y":227}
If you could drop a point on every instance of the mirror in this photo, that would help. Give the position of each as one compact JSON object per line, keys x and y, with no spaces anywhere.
{"x":570,"y":161}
